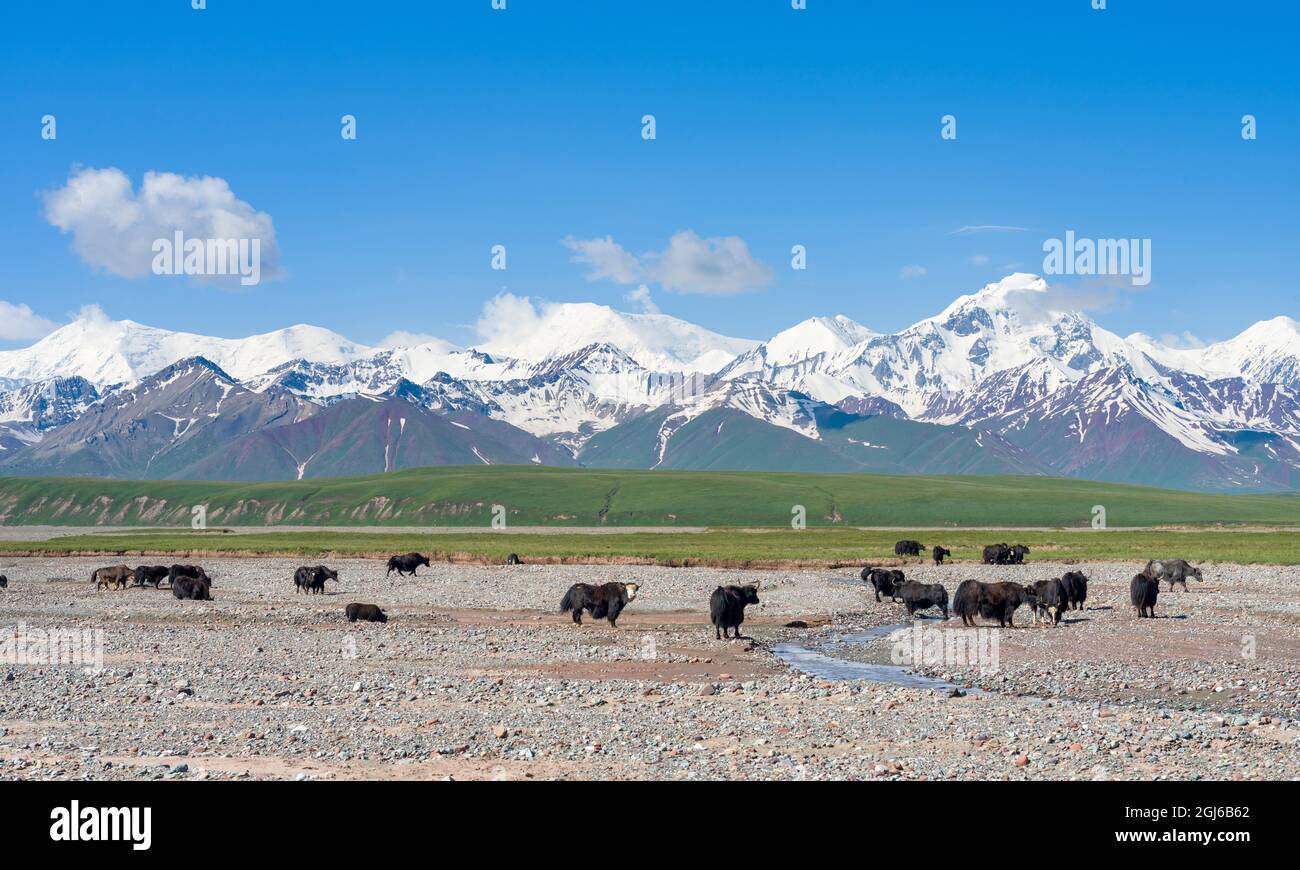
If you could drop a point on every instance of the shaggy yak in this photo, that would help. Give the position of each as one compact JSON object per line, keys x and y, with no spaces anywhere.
{"x":514,"y":559}
{"x":1050,"y":596}
{"x":116,"y":576}
{"x":192,"y":571}
{"x":4,"y":582}
{"x":407,"y":564}
{"x":1142,"y":592}
{"x":312,"y":580}
{"x":991,"y":601}
{"x":1173,"y":570}
{"x":365,"y":613}
{"x":996,"y":554}
{"x":152,"y":575}
{"x":727,"y":608}
{"x":941,"y":553}
{"x":883,"y":580}
{"x":191,"y":588}
{"x":920,"y":596}
{"x":1075,"y":585}
{"x":908,"y":548}
{"x":605,"y":601}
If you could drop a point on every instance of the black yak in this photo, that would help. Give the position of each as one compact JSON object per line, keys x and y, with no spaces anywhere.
{"x":908,"y":548}
{"x":1142,"y":592}
{"x":116,"y":576}
{"x":941,"y":553}
{"x":991,"y":601}
{"x":883,"y":580}
{"x":996,"y":554}
{"x":407,"y":564}
{"x":1075,"y":585}
{"x":152,"y":575}
{"x":191,"y":588}
{"x":4,"y":582}
{"x":312,"y":580}
{"x":920,"y":596}
{"x":1018,"y":552}
{"x":1173,"y":570}
{"x":513,"y":559}
{"x":192,"y":571}
{"x":727,"y":608}
{"x":1051,"y":600}
{"x":364,"y":613}
{"x":605,"y":601}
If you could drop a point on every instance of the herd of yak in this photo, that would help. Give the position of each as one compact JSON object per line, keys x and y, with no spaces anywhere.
{"x":1046,"y":599}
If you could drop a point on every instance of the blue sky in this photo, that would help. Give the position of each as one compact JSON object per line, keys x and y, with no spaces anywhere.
{"x":777,"y":127}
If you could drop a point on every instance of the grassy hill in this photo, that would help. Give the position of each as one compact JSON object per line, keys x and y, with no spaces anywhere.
{"x":539,"y":496}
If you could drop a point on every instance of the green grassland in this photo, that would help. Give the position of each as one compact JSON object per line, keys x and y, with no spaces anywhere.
{"x":463,"y":496}
{"x":713,"y":547}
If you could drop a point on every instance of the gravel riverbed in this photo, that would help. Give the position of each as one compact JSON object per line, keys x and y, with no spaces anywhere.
{"x":476,"y":676}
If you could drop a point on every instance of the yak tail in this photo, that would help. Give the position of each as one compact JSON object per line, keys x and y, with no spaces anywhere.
{"x":567,"y":603}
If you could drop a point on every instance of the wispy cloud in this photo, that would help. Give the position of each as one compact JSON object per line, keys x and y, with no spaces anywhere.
{"x":717,"y":266}
{"x":987,"y":228}
{"x":20,"y":323}
{"x":913,"y":271}
{"x":980,"y":259}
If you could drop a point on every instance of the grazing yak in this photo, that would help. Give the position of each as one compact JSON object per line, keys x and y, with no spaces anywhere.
{"x":4,"y":582}
{"x":996,"y":554}
{"x":883,"y":580}
{"x":1075,"y":585}
{"x":941,"y":553}
{"x":1051,"y":600}
{"x":908,"y":548}
{"x":116,"y":576}
{"x":194,"y":572}
{"x":1143,"y":591}
{"x":727,"y":608}
{"x":312,"y":580}
{"x":364,"y":613}
{"x":991,"y":601}
{"x":407,"y":564}
{"x":191,"y":588}
{"x":921,"y":596}
{"x":1173,"y":570}
{"x":152,"y":575}
{"x":1018,"y":553}
{"x":605,"y":601}
{"x":513,"y":559}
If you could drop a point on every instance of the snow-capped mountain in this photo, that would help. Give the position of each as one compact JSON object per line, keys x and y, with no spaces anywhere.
{"x":107,"y":351}
{"x":1007,"y":379}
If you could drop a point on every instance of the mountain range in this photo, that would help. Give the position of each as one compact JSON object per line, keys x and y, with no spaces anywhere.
{"x":1004,"y":381}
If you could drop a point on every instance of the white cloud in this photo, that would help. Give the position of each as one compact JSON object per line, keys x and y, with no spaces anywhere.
{"x":402,"y":338}
{"x":913,"y":271}
{"x":987,"y":228}
{"x":508,"y":317}
{"x":606,"y":257}
{"x":641,"y":298}
{"x":114,"y":227}
{"x":980,"y":259}
{"x":718,"y":265}
{"x":1185,"y":340}
{"x":20,"y":323}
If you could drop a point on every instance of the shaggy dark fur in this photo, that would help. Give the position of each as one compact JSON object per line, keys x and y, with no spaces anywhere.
{"x":152,"y":575}
{"x":605,"y":601}
{"x":908,"y":548}
{"x":1143,"y":592}
{"x":727,"y":608}
{"x":883,"y":580}
{"x":922,"y":596}
{"x":1075,"y":585}
{"x":190,"y":588}
{"x":365,"y":613}
{"x":941,"y":553}
{"x":312,"y":580}
{"x":407,"y":564}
